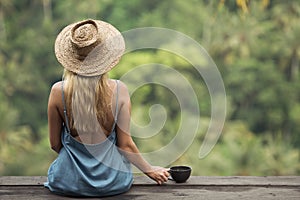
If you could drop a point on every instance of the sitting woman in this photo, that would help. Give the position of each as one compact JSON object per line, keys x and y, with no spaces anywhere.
{"x":89,"y":116}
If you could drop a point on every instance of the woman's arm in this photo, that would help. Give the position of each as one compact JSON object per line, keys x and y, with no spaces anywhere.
{"x":130,"y":150}
{"x":54,"y":118}
{"x":127,"y":145}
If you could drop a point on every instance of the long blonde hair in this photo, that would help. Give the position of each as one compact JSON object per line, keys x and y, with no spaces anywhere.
{"x":87,"y":100}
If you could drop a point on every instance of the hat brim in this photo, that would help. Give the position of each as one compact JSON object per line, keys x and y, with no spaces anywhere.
{"x":100,"y":60}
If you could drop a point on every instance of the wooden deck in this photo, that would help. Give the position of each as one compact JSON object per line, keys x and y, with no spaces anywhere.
{"x":197,"y":187}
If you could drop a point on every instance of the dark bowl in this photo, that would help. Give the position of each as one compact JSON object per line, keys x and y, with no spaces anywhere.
{"x":180,"y":174}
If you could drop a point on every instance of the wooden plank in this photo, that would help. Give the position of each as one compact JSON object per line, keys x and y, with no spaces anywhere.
{"x":197,"y":187}
{"x":230,"y":181}
{"x":194,"y":180}
{"x":22,"y":180}
{"x":165,"y":193}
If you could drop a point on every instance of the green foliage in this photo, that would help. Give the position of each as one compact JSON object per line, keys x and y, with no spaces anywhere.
{"x":241,"y":152}
{"x":255,"y":46}
{"x":20,"y":156}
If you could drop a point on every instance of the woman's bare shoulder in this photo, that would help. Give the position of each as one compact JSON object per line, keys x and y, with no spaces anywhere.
{"x":56,"y":89}
{"x":56,"y":86}
{"x":122,"y":86}
{"x":123,"y":90}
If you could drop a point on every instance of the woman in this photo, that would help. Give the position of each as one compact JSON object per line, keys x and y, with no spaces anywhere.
{"x":89,"y":116}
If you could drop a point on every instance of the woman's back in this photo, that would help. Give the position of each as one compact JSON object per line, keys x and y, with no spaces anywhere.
{"x":98,"y":132}
{"x":97,"y":168}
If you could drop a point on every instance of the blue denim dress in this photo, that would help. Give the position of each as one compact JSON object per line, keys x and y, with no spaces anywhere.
{"x":94,"y":170}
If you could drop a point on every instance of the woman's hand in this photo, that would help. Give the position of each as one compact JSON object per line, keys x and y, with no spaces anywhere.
{"x":158,"y":174}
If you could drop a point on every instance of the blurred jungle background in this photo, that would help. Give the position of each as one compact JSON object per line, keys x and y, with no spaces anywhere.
{"x":254,"y":43}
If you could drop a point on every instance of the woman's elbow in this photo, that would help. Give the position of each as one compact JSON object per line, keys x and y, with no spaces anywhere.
{"x":56,"y":148}
{"x":128,"y":147}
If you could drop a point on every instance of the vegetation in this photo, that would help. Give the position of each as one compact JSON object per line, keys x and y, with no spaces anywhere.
{"x":254,"y":43}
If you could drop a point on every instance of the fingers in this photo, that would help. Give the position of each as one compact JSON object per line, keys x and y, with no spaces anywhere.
{"x":167,"y":174}
{"x":162,"y":176}
{"x":159,"y":174}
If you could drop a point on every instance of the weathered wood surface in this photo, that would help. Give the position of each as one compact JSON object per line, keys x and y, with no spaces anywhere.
{"x":197,"y":187}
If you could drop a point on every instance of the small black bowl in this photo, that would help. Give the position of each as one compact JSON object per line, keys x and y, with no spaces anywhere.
{"x":180,"y":174}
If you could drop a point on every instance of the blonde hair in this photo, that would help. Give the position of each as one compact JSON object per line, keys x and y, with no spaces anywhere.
{"x":87,"y":100}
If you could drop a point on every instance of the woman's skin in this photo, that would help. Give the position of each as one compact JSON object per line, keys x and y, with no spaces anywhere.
{"x":124,"y":140}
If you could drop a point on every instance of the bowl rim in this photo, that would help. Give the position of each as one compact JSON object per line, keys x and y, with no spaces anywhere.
{"x":181,"y":167}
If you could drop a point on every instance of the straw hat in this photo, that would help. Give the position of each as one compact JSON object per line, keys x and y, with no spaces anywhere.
{"x":89,"y":47}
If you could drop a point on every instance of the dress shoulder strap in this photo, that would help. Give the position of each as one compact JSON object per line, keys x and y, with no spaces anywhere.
{"x":117,"y":106}
{"x":65,"y":107}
